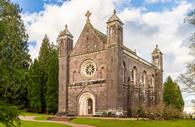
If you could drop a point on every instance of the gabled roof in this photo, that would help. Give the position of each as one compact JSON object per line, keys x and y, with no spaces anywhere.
{"x":90,"y":40}
{"x":100,"y":35}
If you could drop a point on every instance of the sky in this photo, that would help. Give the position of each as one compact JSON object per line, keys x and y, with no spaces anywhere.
{"x":146,"y":23}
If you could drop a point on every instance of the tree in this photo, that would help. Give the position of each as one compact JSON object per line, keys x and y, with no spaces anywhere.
{"x":172,"y":95}
{"x":34,"y":87}
{"x":14,"y":57}
{"x":43,"y":58}
{"x":43,"y":86}
{"x":179,"y":101}
{"x":52,"y":82}
{"x":188,"y":78}
{"x":9,"y":115}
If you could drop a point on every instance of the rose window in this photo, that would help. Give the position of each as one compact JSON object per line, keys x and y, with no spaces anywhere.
{"x":88,"y":68}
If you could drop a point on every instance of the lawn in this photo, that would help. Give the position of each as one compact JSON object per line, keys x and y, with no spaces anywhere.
{"x":108,"y":123}
{"x":125,"y":123}
{"x":39,"y":124}
{"x":23,"y":113}
{"x":41,"y":118}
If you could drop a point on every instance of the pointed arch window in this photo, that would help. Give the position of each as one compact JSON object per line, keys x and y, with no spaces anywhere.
{"x":144,"y":77}
{"x":124,"y":72}
{"x":153,"y":81}
{"x":134,"y":75}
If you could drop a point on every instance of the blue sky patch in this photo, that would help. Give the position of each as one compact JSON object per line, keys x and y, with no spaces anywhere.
{"x":34,"y":5}
{"x":38,"y":5}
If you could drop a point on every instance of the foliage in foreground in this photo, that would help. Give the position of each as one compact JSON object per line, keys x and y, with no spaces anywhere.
{"x":35,"y":89}
{"x":9,"y":115}
{"x":14,"y":57}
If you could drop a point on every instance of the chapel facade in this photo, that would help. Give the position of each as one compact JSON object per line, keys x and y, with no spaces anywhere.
{"x":100,"y":74}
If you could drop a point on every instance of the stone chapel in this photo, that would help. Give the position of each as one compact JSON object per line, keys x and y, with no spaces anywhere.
{"x":100,"y":74}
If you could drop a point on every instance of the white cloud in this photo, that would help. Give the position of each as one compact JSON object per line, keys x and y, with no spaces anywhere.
{"x":54,"y":17}
{"x":142,"y":29}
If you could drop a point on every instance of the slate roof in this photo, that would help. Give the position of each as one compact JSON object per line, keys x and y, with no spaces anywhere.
{"x":101,"y":35}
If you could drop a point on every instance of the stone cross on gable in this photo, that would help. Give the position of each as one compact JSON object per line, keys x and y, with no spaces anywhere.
{"x":88,"y":14}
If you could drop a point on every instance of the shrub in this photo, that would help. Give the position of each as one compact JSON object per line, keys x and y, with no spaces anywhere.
{"x":162,"y":111}
{"x":171,"y":112}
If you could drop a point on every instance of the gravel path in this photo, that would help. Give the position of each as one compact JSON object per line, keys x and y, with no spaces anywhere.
{"x":31,"y":118}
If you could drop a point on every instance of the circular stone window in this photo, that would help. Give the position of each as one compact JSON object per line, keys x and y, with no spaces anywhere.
{"x":88,"y":68}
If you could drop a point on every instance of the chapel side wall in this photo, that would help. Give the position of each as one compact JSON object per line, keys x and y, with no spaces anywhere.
{"x":134,"y":96}
{"x":97,"y":89}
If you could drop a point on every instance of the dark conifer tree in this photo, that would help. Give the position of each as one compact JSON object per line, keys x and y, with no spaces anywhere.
{"x":43,"y":58}
{"x":52,"y":82}
{"x":14,"y":57}
{"x":34,"y":86}
{"x":172,"y":95}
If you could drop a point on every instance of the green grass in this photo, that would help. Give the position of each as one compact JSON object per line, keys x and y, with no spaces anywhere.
{"x":41,"y":118}
{"x":39,"y":124}
{"x":33,"y":114}
{"x":125,"y":123}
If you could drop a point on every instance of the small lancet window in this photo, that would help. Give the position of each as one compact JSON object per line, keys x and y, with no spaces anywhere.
{"x":134,"y":75}
{"x":153,"y":81}
{"x":144,"y":76}
{"x":124,"y":72}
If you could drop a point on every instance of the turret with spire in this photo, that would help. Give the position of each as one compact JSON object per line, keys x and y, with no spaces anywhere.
{"x":65,"y":41}
{"x":157,"y":59}
{"x":114,"y":30}
{"x":66,"y":32}
{"x":65,"y":44}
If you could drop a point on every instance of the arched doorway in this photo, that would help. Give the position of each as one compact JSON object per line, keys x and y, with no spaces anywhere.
{"x":86,"y":104}
{"x":90,"y":106}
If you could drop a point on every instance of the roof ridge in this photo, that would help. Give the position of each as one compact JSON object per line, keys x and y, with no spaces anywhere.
{"x":100,"y":35}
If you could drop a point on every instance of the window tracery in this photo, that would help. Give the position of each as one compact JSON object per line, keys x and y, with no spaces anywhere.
{"x":88,"y":68}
